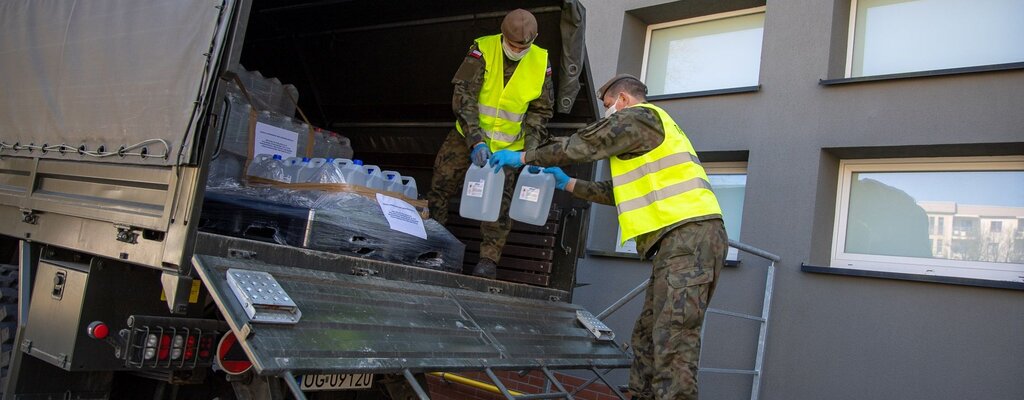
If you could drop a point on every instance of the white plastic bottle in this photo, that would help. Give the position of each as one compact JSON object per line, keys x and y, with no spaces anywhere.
{"x":409,"y":187}
{"x":481,"y":193}
{"x":292,"y":165}
{"x":257,"y":166}
{"x":392,"y":181}
{"x":266,"y":166}
{"x":310,"y":169}
{"x":329,"y":172}
{"x":353,"y":173}
{"x":374,"y":177}
{"x":531,"y":201}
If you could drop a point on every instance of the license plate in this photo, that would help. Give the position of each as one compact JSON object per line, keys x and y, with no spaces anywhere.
{"x":335,"y":382}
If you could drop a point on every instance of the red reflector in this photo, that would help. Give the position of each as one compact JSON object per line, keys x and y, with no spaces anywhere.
{"x":165,"y":347}
{"x":230,"y":356}
{"x":190,"y":347}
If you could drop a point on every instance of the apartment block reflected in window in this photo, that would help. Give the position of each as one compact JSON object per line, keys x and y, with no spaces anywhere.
{"x":957,"y":217}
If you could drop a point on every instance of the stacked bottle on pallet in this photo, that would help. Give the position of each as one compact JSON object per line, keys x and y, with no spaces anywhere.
{"x":268,"y":167}
{"x":275,"y":103}
{"x":340,"y":170}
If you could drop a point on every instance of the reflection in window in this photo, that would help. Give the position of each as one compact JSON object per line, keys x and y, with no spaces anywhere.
{"x":904,"y":214}
{"x":995,"y":227}
{"x":705,"y":53}
{"x":894,"y":36}
{"x":729,"y":181}
{"x":729,"y":189}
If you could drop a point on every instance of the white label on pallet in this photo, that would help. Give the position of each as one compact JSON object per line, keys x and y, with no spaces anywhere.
{"x":402,"y":216}
{"x":475,"y":188}
{"x":530,"y":194}
{"x":273,"y":140}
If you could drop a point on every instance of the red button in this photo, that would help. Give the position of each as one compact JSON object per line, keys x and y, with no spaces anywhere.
{"x":98,"y":330}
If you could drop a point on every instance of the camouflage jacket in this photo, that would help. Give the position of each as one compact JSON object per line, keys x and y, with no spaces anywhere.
{"x":628,"y":133}
{"x":470,"y":78}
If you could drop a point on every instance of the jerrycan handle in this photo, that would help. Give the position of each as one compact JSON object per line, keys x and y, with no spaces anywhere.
{"x":533,"y":170}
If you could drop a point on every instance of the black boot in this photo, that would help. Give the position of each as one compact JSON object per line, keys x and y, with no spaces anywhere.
{"x":485,"y":269}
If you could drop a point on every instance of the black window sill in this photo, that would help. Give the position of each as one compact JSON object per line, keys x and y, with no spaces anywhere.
{"x":912,"y":277}
{"x":923,"y":74}
{"x":705,"y":93}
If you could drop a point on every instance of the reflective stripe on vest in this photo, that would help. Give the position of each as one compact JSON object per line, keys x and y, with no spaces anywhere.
{"x":502,"y":108}
{"x":662,"y":187}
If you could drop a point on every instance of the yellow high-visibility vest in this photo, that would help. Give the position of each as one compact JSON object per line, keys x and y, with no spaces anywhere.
{"x":502,"y":108}
{"x":662,"y":187}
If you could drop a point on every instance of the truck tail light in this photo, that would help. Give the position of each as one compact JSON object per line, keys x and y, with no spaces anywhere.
{"x":171,"y":343}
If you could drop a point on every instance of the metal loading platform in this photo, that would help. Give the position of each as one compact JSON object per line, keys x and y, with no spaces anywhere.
{"x":363,"y":324}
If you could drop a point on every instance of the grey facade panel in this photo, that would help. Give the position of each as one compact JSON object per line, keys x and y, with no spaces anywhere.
{"x":831,"y":337}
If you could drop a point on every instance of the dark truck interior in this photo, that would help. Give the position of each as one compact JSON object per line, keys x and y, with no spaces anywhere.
{"x":379,"y":73}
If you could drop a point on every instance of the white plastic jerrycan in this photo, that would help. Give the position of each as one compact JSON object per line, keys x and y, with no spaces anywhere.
{"x":392,"y":181}
{"x":409,"y":187}
{"x":531,"y":201}
{"x":292,"y":165}
{"x":309,"y":169}
{"x":374,"y":177}
{"x":481,"y":193}
{"x":353,"y":173}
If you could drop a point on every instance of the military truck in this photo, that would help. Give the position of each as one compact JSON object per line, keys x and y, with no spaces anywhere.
{"x":112,"y":113}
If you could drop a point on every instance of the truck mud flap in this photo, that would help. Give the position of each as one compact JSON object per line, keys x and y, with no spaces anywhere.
{"x":365,"y":324}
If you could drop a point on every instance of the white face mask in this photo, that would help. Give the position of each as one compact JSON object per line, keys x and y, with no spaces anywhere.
{"x":511,"y":54}
{"x":611,"y":109}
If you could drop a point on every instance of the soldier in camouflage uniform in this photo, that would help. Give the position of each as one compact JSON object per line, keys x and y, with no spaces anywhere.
{"x":688,"y":254}
{"x":454,"y":157}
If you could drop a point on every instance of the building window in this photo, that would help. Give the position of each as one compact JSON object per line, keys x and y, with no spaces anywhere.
{"x":897,"y":36}
{"x":891,"y":216}
{"x":729,"y":181}
{"x":720,"y":51}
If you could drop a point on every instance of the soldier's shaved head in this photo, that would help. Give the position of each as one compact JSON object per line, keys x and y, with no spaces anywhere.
{"x":624,"y":83}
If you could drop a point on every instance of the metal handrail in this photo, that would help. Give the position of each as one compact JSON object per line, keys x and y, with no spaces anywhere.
{"x":643,"y":285}
{"x":755,"y":251}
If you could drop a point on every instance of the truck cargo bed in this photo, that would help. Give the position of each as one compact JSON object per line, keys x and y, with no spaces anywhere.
{"x":232,"y":247}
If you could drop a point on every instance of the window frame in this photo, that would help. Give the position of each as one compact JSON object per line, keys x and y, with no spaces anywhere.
{"x":852,"y":35}
{"x":982,"y":270}
{"x":690,"y":21}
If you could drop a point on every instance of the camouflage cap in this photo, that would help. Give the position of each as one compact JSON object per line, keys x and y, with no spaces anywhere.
{"x":604,"y":88}
{"x":519,"y":27}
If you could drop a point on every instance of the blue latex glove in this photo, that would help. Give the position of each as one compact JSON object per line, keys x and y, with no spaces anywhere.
{"x":506,"y":158}
{"x":561,"y":179}
{"x":480,"y":154}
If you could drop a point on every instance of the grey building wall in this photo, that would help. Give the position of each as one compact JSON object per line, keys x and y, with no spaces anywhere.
{"x":830,"y":336}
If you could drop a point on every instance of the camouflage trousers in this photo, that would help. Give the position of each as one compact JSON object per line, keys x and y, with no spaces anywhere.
{"x":666,"y":338}
{"x":450,"y":168}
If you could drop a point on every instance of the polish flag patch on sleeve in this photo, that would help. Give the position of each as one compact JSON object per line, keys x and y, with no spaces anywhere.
{"x":476,"y":53}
